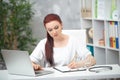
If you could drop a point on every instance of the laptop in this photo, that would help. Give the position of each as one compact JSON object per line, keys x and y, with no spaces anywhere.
{"x":19,"y":63}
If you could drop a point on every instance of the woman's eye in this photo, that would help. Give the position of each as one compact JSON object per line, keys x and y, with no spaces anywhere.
{"x":49,"y":30}
{"x":56,"y":27}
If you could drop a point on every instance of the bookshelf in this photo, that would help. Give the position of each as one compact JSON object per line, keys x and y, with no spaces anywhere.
{"x":103,"y":16}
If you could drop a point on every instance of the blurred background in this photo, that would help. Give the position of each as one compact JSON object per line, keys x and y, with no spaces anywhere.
{"x":21,"y":21}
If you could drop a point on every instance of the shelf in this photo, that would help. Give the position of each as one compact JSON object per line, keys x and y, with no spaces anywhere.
{"x":106,"y":49}
{"x":100,"y":55}
{"x":112,"y":57}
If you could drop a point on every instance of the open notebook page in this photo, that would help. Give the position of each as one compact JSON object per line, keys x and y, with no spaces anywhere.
{"x":67,"y":69}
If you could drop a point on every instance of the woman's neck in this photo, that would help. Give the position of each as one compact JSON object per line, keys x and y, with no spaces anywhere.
{"x":60,"y":38}
{"x":61,"y":41}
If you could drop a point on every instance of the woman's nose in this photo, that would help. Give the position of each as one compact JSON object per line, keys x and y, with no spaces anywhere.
{"x":54,"y":31}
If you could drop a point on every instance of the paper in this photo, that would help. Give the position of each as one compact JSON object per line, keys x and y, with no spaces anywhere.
{"x":67,"y":69}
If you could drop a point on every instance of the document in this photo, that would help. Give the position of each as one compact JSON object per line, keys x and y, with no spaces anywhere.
{"x":67,"y":69}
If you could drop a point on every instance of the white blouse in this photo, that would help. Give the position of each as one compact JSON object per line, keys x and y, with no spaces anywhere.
{"x":63,"y":55}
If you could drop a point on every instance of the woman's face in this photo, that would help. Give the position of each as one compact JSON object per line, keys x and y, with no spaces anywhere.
{"x":54,"y":28}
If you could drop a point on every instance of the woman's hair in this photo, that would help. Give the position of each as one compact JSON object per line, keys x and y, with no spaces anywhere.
{"x":49,"y":43}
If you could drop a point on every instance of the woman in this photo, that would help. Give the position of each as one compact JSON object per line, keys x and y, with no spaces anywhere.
{"x":59,"y":49}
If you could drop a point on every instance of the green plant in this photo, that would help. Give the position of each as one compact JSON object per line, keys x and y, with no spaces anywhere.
{"x":15,"y":32}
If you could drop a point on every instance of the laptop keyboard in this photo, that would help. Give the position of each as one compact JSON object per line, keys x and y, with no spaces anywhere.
{"x":42,"y":72}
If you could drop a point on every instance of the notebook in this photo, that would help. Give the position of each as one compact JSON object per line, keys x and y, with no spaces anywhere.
{"x":19,"y":63}
{"x":67,"y":69}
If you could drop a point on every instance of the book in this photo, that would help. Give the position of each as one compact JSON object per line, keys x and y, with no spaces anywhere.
{"x":86,"y":8}
{"x":67,"y":69}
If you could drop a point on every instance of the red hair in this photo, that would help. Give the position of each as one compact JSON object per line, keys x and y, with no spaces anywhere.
{"x":49,"y":43}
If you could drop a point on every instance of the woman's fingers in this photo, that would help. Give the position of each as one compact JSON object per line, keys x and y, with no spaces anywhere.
{"x":72,"y":65}
{"x":37,"y":67}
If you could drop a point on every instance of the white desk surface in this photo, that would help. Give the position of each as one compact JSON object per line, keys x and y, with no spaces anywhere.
{"x":114,"y":73}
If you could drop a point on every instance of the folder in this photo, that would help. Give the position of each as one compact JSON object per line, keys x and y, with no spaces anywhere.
{"x":116,"y":35}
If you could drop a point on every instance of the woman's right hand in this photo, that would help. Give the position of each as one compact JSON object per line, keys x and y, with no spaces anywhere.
{"x":36,"y":66}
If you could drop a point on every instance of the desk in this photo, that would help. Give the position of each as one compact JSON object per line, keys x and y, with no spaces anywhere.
{"x":80,"y":75}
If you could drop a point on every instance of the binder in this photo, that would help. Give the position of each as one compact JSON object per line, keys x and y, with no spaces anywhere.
{"x":116,"y":34}
{"x":112,"y":34}
{"x":100,"y":9}
{"x":113,"y":8}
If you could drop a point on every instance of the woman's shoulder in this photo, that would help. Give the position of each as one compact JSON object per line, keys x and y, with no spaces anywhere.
{"x":42,"y":41}
{"x":72,"y":38}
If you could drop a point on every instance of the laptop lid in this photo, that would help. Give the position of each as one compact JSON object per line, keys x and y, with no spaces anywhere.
{"x":18,"y":62}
